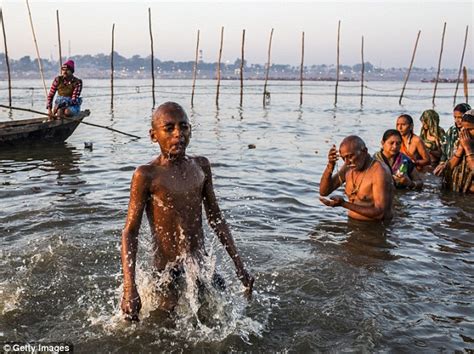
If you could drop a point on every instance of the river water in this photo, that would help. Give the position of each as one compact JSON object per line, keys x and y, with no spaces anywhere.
{"x":323,"y":282}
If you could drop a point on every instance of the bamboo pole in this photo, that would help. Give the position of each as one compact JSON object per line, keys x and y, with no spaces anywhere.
{"x":301,"y":68}
{"x":362,"y":73}
{"x":195,"y":68}
{"x":460,"y":66}
{"x":40,"y":65}
{"x":219,"y":67}
{"x":59,"y":42}
{"x":152,"y":59}
{"x":242,"y":70}
{"x":268,"y":68}
{"x":465,"y":83}
{"x":337,"y":64}
{"x":409,"y":69}
{"x":6,"y":59}
{"x":71,"y":118}
{"x":112,"y":70}
{"x":439,"y":64}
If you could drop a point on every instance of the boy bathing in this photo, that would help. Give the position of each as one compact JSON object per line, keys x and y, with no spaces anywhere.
{"x":172,"y":189}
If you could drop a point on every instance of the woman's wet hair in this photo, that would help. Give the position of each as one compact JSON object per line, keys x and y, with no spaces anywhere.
{"x":462,"y":107}
{"x":407,"y":117}
{"x":389,"y":133}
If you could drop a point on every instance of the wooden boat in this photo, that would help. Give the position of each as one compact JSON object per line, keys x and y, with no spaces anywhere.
{"x":39,"y":130}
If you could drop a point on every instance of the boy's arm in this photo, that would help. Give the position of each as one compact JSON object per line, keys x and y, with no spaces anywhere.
{"x":218,"y":224}
{"x":138,"y":195}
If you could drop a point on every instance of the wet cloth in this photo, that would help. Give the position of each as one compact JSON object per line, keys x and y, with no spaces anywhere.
{"x":402,"y":164}
{"x":449,"y":143}
{"x":460,"y":178}
{"x":431,"y":118}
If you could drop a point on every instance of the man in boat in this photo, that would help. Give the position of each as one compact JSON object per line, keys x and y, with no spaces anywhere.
{"x":172,"y":189}
{"x":68,"y":87}
{"x":369,"y":185}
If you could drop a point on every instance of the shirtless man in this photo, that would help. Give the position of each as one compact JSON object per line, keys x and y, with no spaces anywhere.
{"x":172,"y":189}
{"x":369,"y":185}
{"x":412,"y":145}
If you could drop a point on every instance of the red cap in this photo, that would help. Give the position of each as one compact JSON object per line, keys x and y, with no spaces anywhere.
{"x":69,"y":64}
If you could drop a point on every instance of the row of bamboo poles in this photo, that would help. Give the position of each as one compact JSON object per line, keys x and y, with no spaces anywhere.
{"x":266,"y":93}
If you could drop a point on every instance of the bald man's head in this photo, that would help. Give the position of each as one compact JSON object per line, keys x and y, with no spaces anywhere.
{"x":354,"y":142}
{"x":172,"y":109}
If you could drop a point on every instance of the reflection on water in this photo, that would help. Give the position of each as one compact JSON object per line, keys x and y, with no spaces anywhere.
{"x":363,"y":243}
{"x":61,"y":158}
{"x":323,"y":282}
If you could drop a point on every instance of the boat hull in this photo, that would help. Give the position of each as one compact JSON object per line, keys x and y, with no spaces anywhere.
{"x":39,"y":130}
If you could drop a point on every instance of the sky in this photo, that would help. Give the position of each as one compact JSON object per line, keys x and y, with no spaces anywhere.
{"x":389,"y":29}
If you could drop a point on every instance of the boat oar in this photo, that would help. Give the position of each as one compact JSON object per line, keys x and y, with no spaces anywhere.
{"x":70,"y":118}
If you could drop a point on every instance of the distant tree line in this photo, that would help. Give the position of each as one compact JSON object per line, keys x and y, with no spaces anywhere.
{"x":137,"y":66}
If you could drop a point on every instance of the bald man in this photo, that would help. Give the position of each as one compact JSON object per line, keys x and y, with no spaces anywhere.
{"x":369,"y":185}
{"x":172,"y":189}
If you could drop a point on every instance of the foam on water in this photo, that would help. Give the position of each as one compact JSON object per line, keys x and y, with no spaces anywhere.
{"x":199,"y":316}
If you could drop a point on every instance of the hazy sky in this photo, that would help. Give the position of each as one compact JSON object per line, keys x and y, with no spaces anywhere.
{"x":389,"y":29}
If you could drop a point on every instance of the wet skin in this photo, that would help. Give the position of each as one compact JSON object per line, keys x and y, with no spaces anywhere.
{"x":412,"y":145}
{"x":369,"y":184}
{"x":172,"y":189}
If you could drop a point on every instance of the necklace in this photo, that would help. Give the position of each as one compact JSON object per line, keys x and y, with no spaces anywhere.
{"x":355,"y":187}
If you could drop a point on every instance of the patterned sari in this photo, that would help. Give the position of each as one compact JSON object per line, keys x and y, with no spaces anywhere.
{"x":402,"y":164}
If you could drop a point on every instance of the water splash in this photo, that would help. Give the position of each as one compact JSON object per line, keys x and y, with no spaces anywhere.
{"x":202,"y":313}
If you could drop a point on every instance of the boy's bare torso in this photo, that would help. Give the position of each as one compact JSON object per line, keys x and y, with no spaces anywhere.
{"x":174,"y":209}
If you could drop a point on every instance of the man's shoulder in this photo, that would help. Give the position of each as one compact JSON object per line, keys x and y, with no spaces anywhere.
{"x":381,"y":169}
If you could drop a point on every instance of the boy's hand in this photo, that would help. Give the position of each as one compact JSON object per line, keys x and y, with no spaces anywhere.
{"x":131,"y":304}
{"x":247,"y":280}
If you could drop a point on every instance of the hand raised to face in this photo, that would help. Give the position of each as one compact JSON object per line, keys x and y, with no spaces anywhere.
{"x":465,"y":140}
{"x":333,"y":155}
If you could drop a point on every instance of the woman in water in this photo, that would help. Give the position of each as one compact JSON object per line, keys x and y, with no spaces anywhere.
{"x":403,"y":170}
{"x":459,"y":171}
{"x":451,"y":139}
{"x":432,"y":135}
{"x":412,"y":145}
